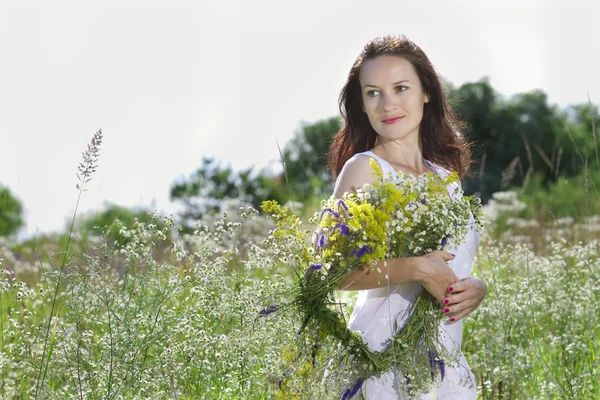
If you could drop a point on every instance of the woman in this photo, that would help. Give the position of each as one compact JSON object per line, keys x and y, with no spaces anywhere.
{"x":396,"y":112}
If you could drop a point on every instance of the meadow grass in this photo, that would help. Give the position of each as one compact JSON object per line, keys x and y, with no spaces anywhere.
{"x":162,"y":314}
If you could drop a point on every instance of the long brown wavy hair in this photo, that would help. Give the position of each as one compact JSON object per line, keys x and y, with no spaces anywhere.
{"x":442,"y":137}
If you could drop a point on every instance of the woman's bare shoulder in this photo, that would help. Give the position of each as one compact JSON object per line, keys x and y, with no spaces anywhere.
{"x":355,"y":173}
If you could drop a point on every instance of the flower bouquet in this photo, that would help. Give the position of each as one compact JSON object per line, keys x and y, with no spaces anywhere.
{"x":390,"y":218}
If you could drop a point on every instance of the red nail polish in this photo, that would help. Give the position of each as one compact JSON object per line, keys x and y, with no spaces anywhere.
{"x":453,"y":255}
{"x":452,"y":319}
{"x":446,"y":310}
{"x":450,"y":289}
{"x":446,"y":301}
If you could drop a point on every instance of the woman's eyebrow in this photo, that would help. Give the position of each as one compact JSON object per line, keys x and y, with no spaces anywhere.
{"x":395,"y":83}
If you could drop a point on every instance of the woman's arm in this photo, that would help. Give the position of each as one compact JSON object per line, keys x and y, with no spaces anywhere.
{"x":430,"y":270}
{"x":401,"y":270}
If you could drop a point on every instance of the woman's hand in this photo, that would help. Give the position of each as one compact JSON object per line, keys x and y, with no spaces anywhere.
{"x":436,"y":275}
{"x":464,"y":297}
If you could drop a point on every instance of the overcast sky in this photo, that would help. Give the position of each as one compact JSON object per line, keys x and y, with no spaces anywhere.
{"x":169,"y":82}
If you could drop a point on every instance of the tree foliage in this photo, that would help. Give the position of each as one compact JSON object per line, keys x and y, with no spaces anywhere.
{"x":206,"y":189}
{"x":305,"y":158}
{"x":11,"y":213}
{"x":104,"y":223}
{"x":305,"y":170}
{"x":521,"y":136}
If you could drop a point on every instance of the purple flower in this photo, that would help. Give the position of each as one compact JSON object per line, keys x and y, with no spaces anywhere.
{"x":440,"y":364}
{"x":344,"y":229}
{"x":445,"y":240}
{"x":363,"y":250}
{"x":346,"y":394}
{"x":321,"y":240}
{"x":423,"y":201}
{"x":350,"y":392}
{"x":356,"y":387}
{"x":312,"y":267}
{"x":432,"y":356}
{"x":342,"y":205}
{"x":266,"y":311}
{"x":330,"y":211}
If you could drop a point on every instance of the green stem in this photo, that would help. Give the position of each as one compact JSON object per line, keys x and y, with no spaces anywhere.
{"x":45,"y":362}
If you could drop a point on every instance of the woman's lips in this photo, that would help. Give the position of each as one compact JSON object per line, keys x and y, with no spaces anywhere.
{"x":392,"y":120}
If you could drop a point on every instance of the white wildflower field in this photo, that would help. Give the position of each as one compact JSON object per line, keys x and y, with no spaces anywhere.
{"x":160,"y":314}
{"x":157,"y":318}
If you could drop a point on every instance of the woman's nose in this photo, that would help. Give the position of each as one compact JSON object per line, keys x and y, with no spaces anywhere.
{"x":390,"y":102}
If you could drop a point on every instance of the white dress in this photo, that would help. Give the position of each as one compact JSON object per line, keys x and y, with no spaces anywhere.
{"x":375,"y":308}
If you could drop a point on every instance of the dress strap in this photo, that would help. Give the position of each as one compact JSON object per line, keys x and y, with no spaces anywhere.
{"x":386,"y":168}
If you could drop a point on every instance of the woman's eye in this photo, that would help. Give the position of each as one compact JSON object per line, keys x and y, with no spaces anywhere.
{"x":373,"y":93}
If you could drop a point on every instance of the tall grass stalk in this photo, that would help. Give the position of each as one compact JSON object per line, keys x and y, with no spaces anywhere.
{"x":1,"y":295}
{"x":86,"y":168}
{"x":534,"y":334}
{"x":287,"y":181}
{"x":594,"y":131}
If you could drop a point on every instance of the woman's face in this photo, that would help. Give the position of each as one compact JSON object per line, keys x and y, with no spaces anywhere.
{"x":392,"y":97}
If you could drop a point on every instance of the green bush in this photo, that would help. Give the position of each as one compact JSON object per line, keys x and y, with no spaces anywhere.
{"x":11,"y":213}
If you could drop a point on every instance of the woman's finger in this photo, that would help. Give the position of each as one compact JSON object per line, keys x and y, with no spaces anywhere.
{"x":455,"y":298}
{"x":446,"y":256}
{"x":461,"y":286}
{"x":460,"y":315}
{"x":458,"y":307}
